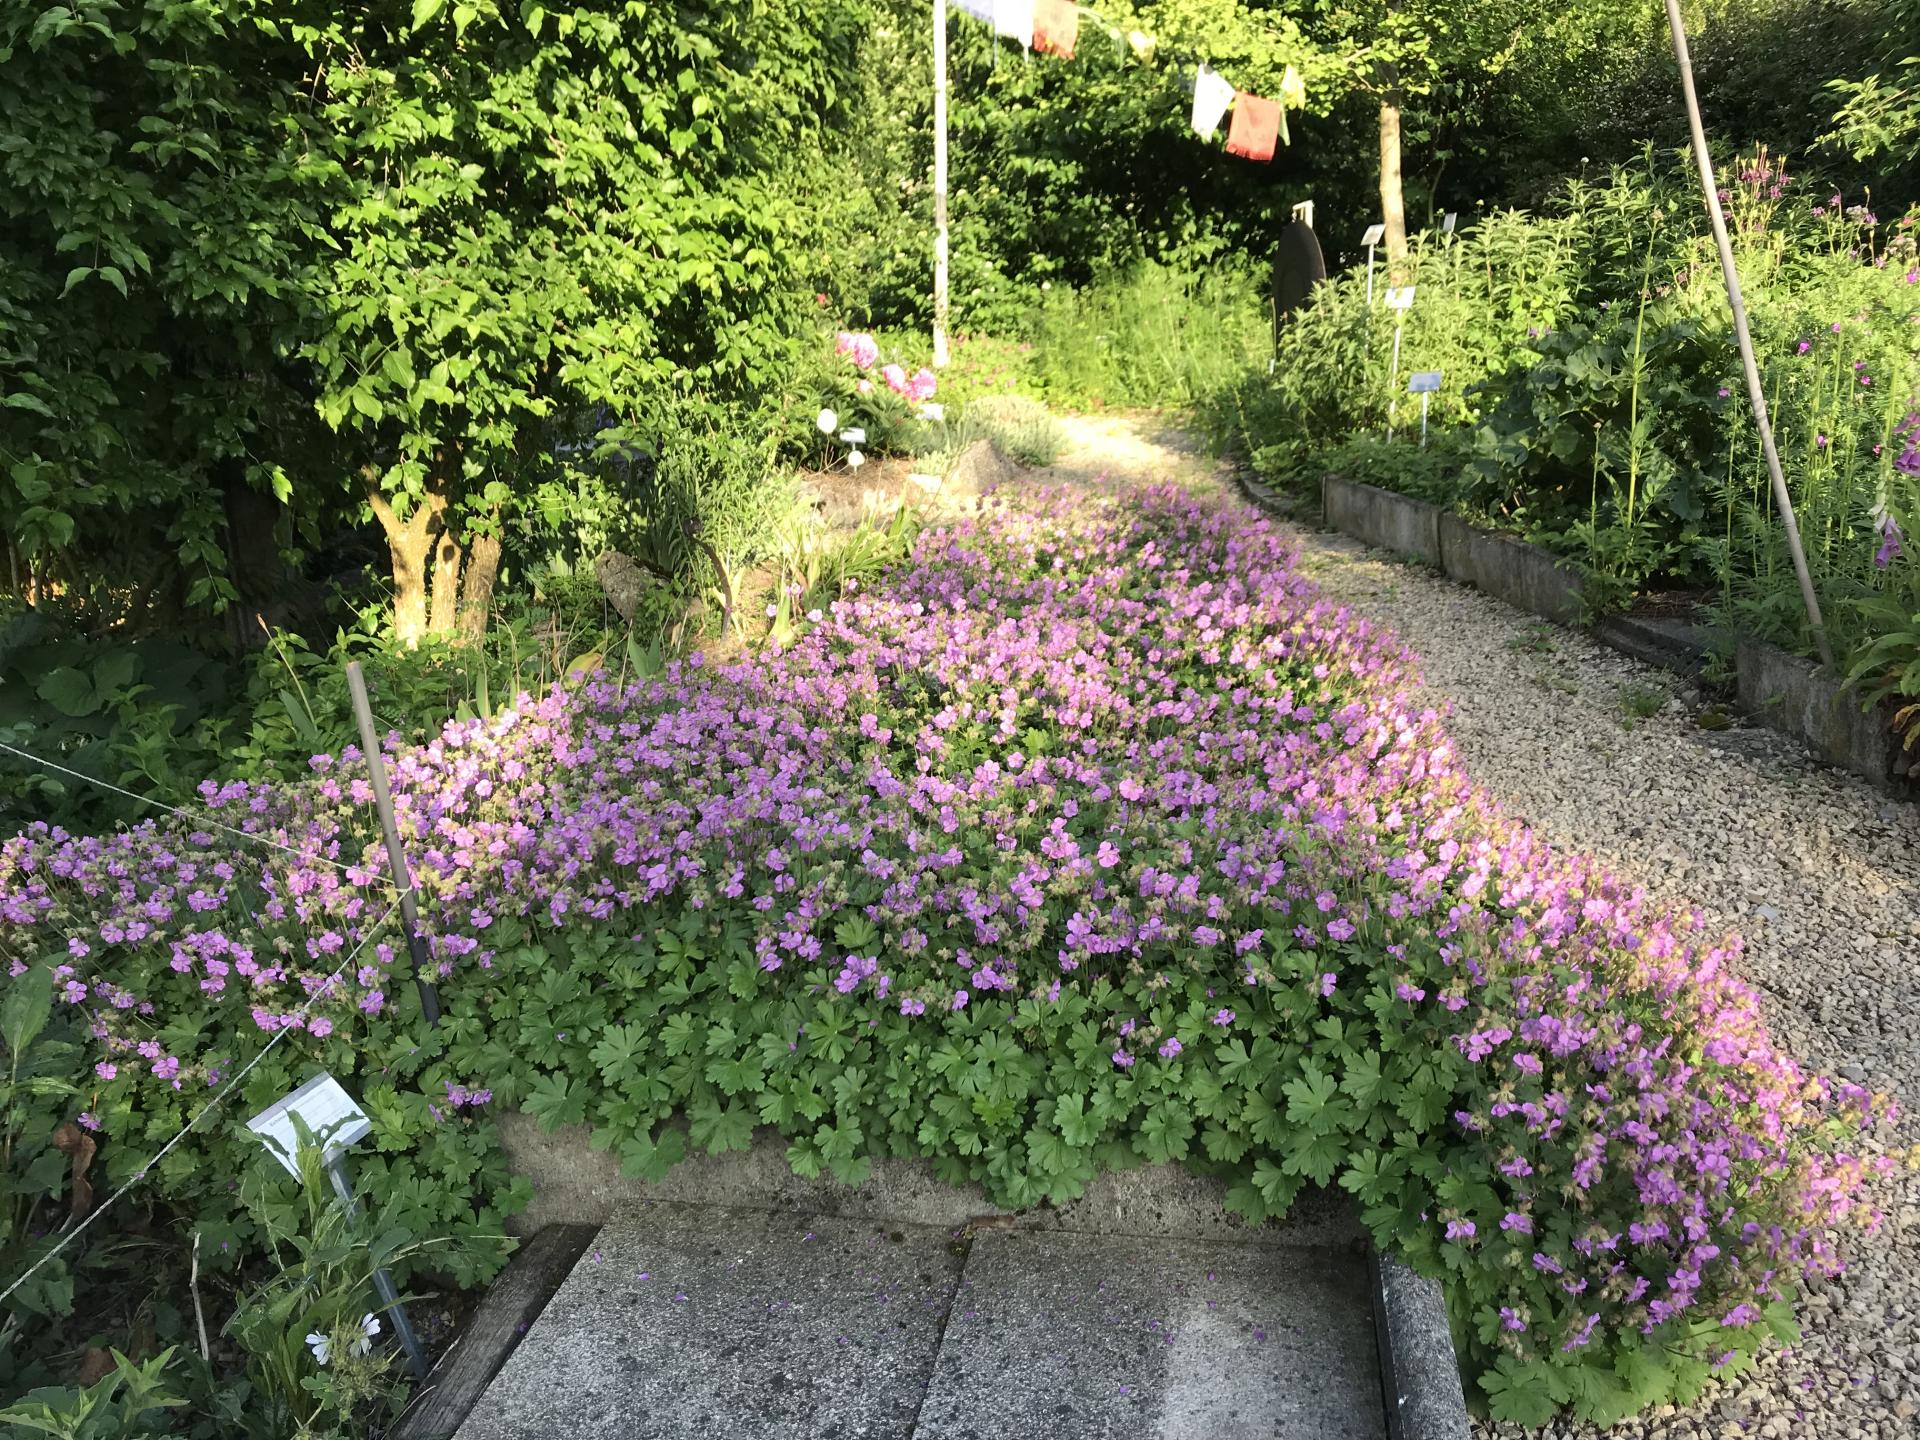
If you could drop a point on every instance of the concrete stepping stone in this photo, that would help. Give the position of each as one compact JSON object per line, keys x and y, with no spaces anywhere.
{"x":690,"y":1321}
{"x":1058,"y":1334}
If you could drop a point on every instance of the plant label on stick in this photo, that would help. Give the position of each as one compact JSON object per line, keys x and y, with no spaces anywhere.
{"x":1400,"y":297}
{"x":1424,"y":382}
{"x":1372,"y":237}
{"x":328,"y":1112}
{"x":1446,"y":225}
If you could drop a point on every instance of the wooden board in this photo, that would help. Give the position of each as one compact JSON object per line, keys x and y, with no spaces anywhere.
{"x":511,"y":1305}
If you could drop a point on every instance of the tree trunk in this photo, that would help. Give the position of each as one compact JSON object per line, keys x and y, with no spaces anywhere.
{"x":447,"y":558}
{"x":476,"y":591}
{"x":1393,"y":203}
{"x":410,"y":543}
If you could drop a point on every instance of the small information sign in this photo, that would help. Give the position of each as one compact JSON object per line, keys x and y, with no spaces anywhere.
{"x":326,"y":1109}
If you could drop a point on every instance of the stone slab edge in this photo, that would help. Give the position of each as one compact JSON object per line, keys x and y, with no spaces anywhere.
{"x":1782,"y":691}
{"x":1419,"y":1372}
{"x":1799,"y":698}
{"x":1383,"y":519}
{"x":506,"y":1312}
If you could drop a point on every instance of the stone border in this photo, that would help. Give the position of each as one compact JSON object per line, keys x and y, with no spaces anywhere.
{"x":1779,"y":690}
{"x":514,"y":1300}
{"x":1419,"y":1372}
{"x":1798,"y":697}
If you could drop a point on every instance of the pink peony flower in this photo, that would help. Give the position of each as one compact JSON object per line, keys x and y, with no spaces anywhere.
{"x":896,"y":379}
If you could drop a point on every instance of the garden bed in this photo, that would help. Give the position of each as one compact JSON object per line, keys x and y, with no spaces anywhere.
{"x":1090,"y":838}
{"x":1780,"y":690}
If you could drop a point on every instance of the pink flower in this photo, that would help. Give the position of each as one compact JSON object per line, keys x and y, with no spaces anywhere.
{"x":896,"y":379}
{"x":863,"y":350}
{"x":922,"y":385}
{"x":865,"y":387}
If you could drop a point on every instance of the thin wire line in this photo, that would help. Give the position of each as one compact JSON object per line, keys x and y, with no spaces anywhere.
{"x":200,"y":820}
{"x":212,"y":1105}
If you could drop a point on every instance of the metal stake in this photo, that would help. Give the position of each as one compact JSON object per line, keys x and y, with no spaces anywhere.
{"x":1732,"y":275}
{"x":382,"y":1282}
{"x":396,"y":858}
{"x":1424,"y":398}
{"x":1393,"y":374}
{"x":940,"y":180}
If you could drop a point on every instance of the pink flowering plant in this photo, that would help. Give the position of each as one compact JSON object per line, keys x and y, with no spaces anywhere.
{"x":864,"y":388}
{"x":1092,"y":838}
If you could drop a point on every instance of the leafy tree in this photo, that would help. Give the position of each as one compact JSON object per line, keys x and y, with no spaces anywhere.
{"x":156,"y":246}
{"x":1881,"y":114}
{"x":541,"y":213}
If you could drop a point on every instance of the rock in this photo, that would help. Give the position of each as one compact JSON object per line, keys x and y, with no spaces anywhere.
{"x":980,"y":466}
{"x":623,"y":580}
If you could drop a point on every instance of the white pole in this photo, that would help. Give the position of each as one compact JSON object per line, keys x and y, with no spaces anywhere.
{"x":1423,"y":419}
{"x":1393,"y":375}
{"x":939,"y":182}
{"x":1755,"y":393}
{"x":1369,"y":274}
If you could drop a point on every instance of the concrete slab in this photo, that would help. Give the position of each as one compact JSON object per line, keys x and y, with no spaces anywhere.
{"x":1421,"y":1374}
{"x":688,"y":1321}
{"x":1523,"y":575}
{"x":1055,"y":1335}
{"x":573,"y":1183}
{"x":1383,"y":519}
{"x":1799,"y":698}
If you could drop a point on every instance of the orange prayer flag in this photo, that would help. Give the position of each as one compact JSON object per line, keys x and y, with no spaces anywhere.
{"x":1056,"y":25}
{"x":1256,"y":127}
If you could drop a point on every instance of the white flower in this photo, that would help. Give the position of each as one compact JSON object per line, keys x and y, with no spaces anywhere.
{"x":321,"y":1346}
{"x":856,"y":460}
{"x":369,"y":1327}
{"x":827,"y":421}
{"x":933,"y":410}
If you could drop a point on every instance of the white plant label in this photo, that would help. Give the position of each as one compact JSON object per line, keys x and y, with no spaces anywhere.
{"x":1424,"y":382}
{"x":327,"y":1110}
{"x":1372,"y":237}
{"x":1400,"y":298}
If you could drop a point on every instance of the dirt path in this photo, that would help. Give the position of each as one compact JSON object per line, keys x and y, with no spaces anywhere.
{"x":1819,"y":872}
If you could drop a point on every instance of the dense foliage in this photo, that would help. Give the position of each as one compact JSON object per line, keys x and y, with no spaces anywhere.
{"x":1091,"y":838}
{"x":1593,"y":398}
{"x":262,"y":253}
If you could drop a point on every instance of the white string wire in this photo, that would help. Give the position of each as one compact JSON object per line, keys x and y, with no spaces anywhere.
{"x":212,"y":1105}
{"x":197,"y":818}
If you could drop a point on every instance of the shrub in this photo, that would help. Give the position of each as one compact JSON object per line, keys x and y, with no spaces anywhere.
{"x":1023,"y":429}
{"x":1093,"y":838}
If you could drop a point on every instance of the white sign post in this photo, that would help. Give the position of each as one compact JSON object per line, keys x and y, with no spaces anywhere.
{"x":1371,"y":239}
{"x":1399,"y":300}
{"x":1423,"y":383}
{"x":334,"y":1121}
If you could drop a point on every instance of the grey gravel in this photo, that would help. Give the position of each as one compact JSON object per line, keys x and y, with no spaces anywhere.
{"x":1817,"y":870}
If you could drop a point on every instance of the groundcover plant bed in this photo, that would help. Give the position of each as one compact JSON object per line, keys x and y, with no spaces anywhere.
{"x":1089,"y":838}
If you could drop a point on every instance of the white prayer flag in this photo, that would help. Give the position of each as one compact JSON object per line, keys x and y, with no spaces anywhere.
{"x":1013,"y":20}
{"x":1211,"y":96}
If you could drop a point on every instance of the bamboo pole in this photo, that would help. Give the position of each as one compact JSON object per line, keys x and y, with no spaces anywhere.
{"x":396,"y":857}
{"x":1755,"y":393}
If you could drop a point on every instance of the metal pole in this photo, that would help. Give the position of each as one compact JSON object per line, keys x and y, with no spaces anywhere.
{"x":1393,"y":375}
{"x":1369,"y":274}
{"x":940,"y":181}
{"x":382,"y":1281}
{"x":1732,"y":274}
{"x":1423,"y":419}
{"x":396,"y":858}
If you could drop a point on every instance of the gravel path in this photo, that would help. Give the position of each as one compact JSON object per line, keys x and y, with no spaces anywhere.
{"x":1818,"y":871}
